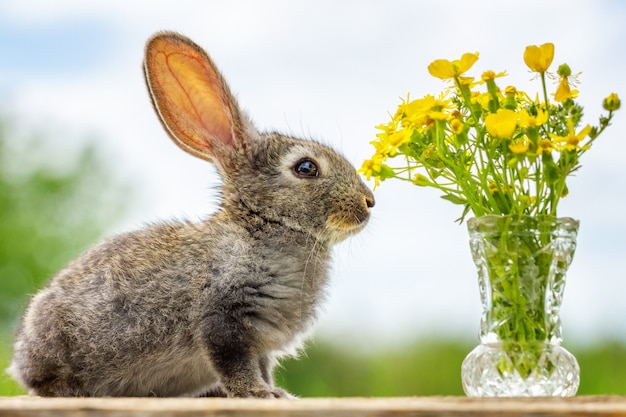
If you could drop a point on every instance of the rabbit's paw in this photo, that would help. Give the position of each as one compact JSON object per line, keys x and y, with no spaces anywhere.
{"x":265,"y":392}
{"x":281,"y":393}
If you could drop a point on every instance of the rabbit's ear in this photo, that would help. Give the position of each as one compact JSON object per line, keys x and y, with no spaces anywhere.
{"x":191,"y":97}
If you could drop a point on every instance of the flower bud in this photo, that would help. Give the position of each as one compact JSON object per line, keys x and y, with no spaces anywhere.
{"x":509,"y":93}
{"x":611,"y":103}
{"x":564,"y":70}
{"x":421,"y":180}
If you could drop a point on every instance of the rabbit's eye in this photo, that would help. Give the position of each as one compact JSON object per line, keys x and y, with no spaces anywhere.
{"x":306,"y":168}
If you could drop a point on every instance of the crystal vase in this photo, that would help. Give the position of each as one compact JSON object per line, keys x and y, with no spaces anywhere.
{"x":522,"y":263}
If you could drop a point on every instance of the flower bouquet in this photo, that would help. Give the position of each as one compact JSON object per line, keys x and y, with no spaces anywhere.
{"x":504,"y":156}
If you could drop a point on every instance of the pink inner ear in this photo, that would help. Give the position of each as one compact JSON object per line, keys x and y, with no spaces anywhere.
{"x":190,"y":96}
{"x":202,"y":114}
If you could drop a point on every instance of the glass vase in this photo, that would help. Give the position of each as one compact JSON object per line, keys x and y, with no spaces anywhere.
{"x":522,"y":263}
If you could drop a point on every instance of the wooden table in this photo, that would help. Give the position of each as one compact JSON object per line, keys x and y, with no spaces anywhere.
{"x":320,"y":407}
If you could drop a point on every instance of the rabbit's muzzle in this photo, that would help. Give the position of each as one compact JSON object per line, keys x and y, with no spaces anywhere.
{"x":349,"y":217}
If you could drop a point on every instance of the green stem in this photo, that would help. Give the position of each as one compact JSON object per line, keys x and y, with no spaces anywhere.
{"x":545,"y":97}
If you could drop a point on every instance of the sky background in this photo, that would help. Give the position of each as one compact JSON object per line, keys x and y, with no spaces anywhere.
{"x":332,"y":70}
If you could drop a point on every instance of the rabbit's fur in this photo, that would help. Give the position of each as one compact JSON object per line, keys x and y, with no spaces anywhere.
{"x":199,"y":308}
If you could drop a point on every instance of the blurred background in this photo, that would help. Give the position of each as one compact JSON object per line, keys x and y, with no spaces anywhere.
{"x":83,"y":156}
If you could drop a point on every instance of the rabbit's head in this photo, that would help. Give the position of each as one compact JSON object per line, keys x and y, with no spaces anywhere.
{"x":287,"y":181}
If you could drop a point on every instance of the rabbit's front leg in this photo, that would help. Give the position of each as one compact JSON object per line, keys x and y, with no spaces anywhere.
{"x":243,"y":371}
{"x":241,"y":376}
{"x":266,"y":365}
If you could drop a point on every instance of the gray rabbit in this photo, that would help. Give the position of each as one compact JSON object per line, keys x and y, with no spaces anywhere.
{"x":206,"y":308}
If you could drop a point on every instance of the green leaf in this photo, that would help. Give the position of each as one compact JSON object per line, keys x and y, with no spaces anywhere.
{"x":454,"y":199}
{"x":386,"y":172}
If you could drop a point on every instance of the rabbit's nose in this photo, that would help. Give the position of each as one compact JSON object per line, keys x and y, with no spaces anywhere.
{"x":369,"y":201}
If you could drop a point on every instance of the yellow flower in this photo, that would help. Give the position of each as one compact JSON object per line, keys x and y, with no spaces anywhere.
{"x":398,"y":138}
{"x":564,"y":91}
{"x":520,"y":146}
{"x":544,"y":146}
{"x":467,"y":81}
{"x":526,"y":120}
{"x":501,"y":124}
{"x":611,"y":103}
{"x":571,"y":142}
{"x":539,"y":58}
{"x":391,"y":141}
{"x":510,"y":90}
{"x":456,"y":125}
{"x":481,"y":98}
{"x":372,"y":167}
{"x":542,"y":116}
{"x":437,"y":115}
{"x":491,"y":75}
{"x":444,"y":69}
{"x":420,"y":113}
{"x":369,"y":167}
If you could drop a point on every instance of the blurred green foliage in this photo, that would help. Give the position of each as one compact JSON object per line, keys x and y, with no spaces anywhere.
{"x":425,"y":368}
{"x":428,"y":368}
{"x":54,"y":202}
{"x":49,"y":214}
{"x":7,"y":385}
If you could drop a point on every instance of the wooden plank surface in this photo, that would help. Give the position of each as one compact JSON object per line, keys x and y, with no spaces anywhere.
{"x":344,"y":407}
